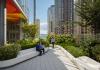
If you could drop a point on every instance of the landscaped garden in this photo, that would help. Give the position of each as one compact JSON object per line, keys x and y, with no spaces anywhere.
{"x":88,"y":47}
{"x":89,"y":13}
{"x":11,"y":50}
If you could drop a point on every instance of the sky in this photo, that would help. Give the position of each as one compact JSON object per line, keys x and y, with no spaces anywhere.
{"x":41,"y":10}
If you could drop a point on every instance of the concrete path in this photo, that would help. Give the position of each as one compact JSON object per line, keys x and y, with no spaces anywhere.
{"x":54,"y":59}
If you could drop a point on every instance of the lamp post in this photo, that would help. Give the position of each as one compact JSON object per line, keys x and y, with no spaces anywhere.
{"x":34,"y":10}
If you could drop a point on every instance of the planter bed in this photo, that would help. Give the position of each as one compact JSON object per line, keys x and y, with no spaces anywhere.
{"x":22,"y":56}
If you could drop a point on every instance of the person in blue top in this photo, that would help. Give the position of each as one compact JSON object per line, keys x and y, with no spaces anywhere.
{"x":40,"y":48}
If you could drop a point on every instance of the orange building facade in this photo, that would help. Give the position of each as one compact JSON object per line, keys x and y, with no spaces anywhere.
{"x":12,"y":17}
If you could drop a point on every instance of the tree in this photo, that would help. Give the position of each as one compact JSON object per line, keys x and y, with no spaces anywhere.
{"x":30,"y":30}
{"x":89,"y":11}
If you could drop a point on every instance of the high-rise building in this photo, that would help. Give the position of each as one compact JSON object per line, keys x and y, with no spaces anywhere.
{"x":51,"y":19}
{"x":37,"y":22}
{"x":64,"y":16}
{"x":24,"y":5}
{"x":13,"y":13}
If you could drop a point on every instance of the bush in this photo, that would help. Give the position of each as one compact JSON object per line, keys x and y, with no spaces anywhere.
{"x":75,"y":51}
{"x":9,"y":51}
{"x":48,"y":38}
{"x":96,"y":52}
{"x":44,"y":42}
{"x":68,"y":39}
{"x":88,"y":45}
{"x":27,"y":43}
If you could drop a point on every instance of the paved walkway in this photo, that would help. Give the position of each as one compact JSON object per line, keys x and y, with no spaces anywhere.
{"x":54,"y":59}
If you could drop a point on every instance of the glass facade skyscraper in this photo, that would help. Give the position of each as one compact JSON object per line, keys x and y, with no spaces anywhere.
{"x":51,"y":19}
{"x":24,"y":5}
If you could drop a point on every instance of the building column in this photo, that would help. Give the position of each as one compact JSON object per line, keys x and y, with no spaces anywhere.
{"x":3,"y":22}
{"x":21,"y":22}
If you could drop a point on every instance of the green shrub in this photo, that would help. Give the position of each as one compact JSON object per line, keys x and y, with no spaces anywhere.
{"x":48,"y":38}
{"x":96,"y":52}
{"x":88,"y":42}
{"x":9,"y":51}
{"x":75,"y":51}
{"x":59,"y":39}
{"x":44,"y":42}
{"x":27,"y":43}
{"x":88,"y":45}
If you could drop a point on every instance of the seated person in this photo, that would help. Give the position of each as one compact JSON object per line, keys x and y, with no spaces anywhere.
{"x":40,"y":49}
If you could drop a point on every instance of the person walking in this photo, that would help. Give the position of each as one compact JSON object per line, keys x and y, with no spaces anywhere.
{"x":52,"y":41}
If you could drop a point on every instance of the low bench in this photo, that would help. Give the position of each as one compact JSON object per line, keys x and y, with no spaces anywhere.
{"x":22,"y":56}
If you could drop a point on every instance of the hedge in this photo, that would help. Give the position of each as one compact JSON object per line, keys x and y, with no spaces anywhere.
{"x":9,"y":51}
{"x":75,"y":51}
{"x":27,"y":43}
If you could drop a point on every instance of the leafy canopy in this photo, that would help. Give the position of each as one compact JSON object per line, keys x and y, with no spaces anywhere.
{"x":89,"y":11}
{"x":30,"y":30}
